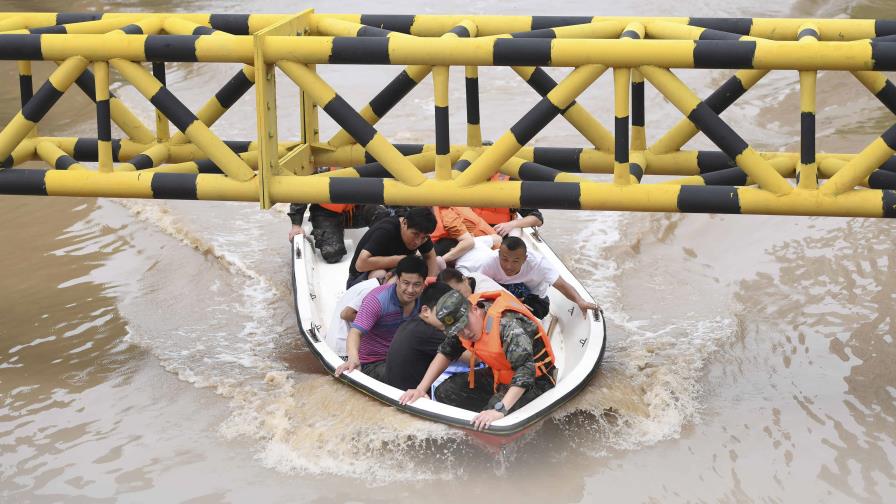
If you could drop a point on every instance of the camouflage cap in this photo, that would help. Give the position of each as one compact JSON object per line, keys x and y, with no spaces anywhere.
{"x":451,"y":310}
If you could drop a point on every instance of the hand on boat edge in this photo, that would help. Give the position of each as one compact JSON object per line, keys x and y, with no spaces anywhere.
{"x":347,"y":366}
{"x":485,"y":418}
{"x":587,"y":305}
{"x":410,"y":396}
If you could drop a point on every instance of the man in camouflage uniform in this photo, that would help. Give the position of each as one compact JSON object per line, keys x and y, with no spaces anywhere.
{"x":518,"y":337}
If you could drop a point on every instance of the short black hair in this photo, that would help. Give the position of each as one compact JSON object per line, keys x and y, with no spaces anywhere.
{"x":412,"y":264}
{"x":513,"y":243}
{"x":432,"y":293}
{"x":450,"y":275}
{"x":444,"y":246}
{"x":421,"y":219}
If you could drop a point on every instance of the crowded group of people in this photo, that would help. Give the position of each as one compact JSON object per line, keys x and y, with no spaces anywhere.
{"x":431,"y":286}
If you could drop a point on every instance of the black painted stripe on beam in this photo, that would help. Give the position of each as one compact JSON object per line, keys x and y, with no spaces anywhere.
{"x":63,"y":162}
{"x":86,"y":149}
{"x":883,"y":27}
{"x":740,"y":26}
{"x":170,"y":47}
{"x":535,"y":171}
{"x":443,"y":138}
{"x":238,"y":146}
{"x":461,"y":165}
{"x":404,"y":149}
{"x":709,"y":34}
{"x":472,"y":88}
{"x":621,"y":133}
{"x":807,"y":32}
{"x":717,"y":130}
{"x":236,"y":24}
{"x":371,"y":31}
{"x":207,"y":166}
{"x":807,"y":138}
{"x":887,"y":96}
{"x":141,"y":162}
{"x":461,"y":31}
{"x":87,"y":83}
{"x":103,"y":121}
{"x":372,"y":51}
{"x":726,"y":94}
{"x":889,"y":165}
{"x":560,"y":158}
{"x":26,"y":88}
{"x":373,"y":170}
{"x":181,"y":186}
{"x":541,"y":82}
{"x":392,"y":93}
{"x":880,"y":179}
{"x":173,"y":109}
{"x":522,"y":52}
{"x":203,"y":30}
{"x":565,"y":195}
{"x":352,"y":122}
{"x":884,"y":55}
{"x":8,"y":162}
{"x":635,"y":170}
{"x":534,"y":121}
{"x":709,"y":199}
{"x":724,"y":54}
{"x":889,"y":204}
{"x":41,"y":103}
{"x":76,"y":17}
{"x":728,"y":177}
{"x":547,"y":33}
{"x":638,"y":104}
{"x":57,"y":29}
{"x":158,"y":71}
{"x":235,"y":88}
{"x":356,"y":190}
{"x":23,"y":181}
{"x":394,"y":22}
{"x":712,"y":161}
{"x":133,"y":29}
{"x":20,"y":47}
{"x":889,"y":137}
{"x":542,"y":22}
{"x":632,"y":34}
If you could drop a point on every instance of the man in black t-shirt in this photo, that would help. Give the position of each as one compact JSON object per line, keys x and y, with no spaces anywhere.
{"x":391,"y":239}
{"x":416,"y":342}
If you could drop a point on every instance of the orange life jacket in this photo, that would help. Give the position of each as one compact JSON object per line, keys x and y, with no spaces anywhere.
{"x":490,"y":350}
{"x":495,"y":215}
{"x":337,"y":207}
{"x":475,"y":226}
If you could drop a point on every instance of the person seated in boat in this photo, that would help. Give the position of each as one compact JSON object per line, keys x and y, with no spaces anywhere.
{"x":347,"y":309}
{"x":456,"y":227}
{"x":469,"y":283}
{"x":416,"y":342}
{"x":497,"y":329}
{"x":528,"y":275}
{"x":382,"y":311}
{"x":389,"y":240}
{"x":507,"y":221}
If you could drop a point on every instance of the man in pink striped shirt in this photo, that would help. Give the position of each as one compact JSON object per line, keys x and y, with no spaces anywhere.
{"x":384,"y":309}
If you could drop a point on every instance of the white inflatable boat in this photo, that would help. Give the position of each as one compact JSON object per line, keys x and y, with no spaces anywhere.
{"x":578,"y":342}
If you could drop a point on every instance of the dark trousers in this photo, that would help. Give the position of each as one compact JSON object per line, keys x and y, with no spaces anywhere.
{"x":375,"y":370}
{"x":457,"y":392}
{"x":328,"y":228}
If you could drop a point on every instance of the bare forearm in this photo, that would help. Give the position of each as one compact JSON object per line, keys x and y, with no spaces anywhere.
{"x":372,"y":263}
{"x":512,"y":396}
{"x":353,"y":343}
{"x":465,"y":244}
{"x":528,"y":221}
{"x":567,"y":290}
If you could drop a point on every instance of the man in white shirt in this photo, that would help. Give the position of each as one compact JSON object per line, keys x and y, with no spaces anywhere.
{"x":528,"y":275}
{"x":344,"y":314}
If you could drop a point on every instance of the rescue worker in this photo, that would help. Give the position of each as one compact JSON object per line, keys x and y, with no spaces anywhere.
{"x":498,"y":330}
{"x":460,"y":225}
{"x":328,"y":223}
{"x":504,"y":220}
